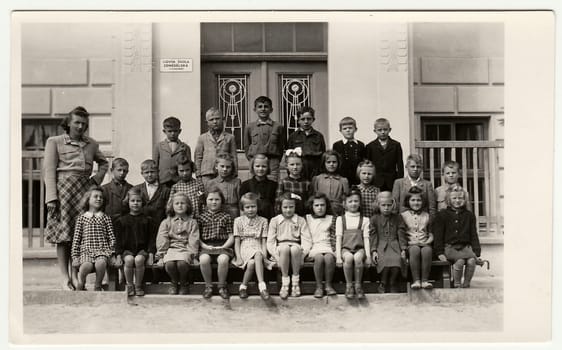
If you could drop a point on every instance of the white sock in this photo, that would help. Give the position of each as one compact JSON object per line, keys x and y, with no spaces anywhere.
{"x":262,"y":286}
{"x":295,"y":279}
{"x":243,"y":286}
{"x":285,"y":281}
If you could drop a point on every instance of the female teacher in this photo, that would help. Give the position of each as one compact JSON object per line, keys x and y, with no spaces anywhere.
{"x":67,"y":169}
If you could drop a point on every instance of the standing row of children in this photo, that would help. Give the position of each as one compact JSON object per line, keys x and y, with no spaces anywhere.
{"x":319,"y":217}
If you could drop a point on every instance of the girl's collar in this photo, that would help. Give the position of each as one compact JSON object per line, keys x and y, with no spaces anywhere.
{"x":90,"y":214}
{"x":416,"y":212}
{"x":294,"y":178}
{"x":353,"y":214}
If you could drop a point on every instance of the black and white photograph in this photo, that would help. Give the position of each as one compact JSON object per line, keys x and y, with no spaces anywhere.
{"x":304,"y":176}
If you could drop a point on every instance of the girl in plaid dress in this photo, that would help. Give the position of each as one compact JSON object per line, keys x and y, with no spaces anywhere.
{"x":320,"y":245}
{"x":250,"y":236}
{"x":369,"y":192}
{"x":94,"y":241}
{"x":216,"y":242}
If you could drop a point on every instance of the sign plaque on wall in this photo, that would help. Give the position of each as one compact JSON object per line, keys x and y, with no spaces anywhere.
{"x":176,"y":65}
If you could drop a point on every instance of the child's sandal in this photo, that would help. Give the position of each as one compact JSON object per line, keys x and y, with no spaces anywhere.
{"x":416,"y":285}
{"x":130,"y":291}
{"x":330,"y":291}
{"x":426,"y":285}
{"x":359,"y":292}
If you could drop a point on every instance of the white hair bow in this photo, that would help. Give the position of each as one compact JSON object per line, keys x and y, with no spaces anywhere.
{"x":296,"y":150}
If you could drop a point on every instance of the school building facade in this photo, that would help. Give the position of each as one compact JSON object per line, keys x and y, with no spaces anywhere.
{"x":440,"y":85}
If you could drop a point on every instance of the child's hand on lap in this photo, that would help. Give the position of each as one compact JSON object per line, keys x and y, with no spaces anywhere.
{"x":150,"y":259}
{"x":368,"y":261}
{"x":442,"y":257}
{"x":118,"y":261}
{"x":403,"y":255}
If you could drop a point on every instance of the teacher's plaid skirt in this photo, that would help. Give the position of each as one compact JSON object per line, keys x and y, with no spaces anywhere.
{"x":60,"y":223}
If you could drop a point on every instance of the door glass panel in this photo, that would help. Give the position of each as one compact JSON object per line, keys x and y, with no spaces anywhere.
{"x":233,"y":102}
{"x":248,"y":37}
{"x":469,"y":132}
{"x":309,"y":37}
{"x":294,"y":92}
{"x":279,"y":37}
{"x":216,"y":37}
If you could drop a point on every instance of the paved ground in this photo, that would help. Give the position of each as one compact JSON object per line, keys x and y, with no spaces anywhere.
{"x":477,"y":309}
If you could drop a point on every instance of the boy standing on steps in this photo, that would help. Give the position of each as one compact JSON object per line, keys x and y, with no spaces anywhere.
{"x":265,"y":136}
{"x":166,"y":152}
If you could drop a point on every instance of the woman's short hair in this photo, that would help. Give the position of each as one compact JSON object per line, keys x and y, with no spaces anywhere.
{"x":77,"y":111}
{"x":170,"y":205}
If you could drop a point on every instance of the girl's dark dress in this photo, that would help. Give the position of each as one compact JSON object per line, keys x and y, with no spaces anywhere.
{"x":135,"y":234}
{"x":266,"y":190}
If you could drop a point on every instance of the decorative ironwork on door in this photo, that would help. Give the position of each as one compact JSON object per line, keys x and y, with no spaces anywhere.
{"x":295,"y":93}
{"x":233,"y":102}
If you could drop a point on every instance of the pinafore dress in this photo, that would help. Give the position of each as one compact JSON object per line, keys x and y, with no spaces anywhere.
{"x":352,"y":239}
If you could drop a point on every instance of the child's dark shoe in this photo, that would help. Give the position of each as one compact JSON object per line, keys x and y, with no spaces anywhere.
{"x":243,"y":293}
{"x":318,"y":293}
{"x":223,"y":292}
{"x":139,"y":291}
{"x":349,"y":292}
{"x":208,"y":292}
{"x":264,"y":294}
{"x":426,"y":285}
{"x":184,"y":289}
{"x":330,"y":291}
{"x":381,"y":288}
{"x":416,"y":285}
{"x":359,"y":292}
{"x":130,"y":291}
{"x":98,"y":289}
{"x":173,"y":289}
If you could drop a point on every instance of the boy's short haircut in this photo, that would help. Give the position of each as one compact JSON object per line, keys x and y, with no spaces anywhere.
{"x":386,"y":195}
{"x":119,"y":162}
{"x":327,"y":154}
{"x":148,"y":164}
{"x":171,"y":122}
{"x":247,"y":198}
{"x":253,"y":160}
{"x":416,"y":158}
{"x":382,"y":121}
{"x":170,"y":205}
{"x":263,"y":99}
{"x":450,"y":164}
{"x":348,"y":121}
{"x":305,"y":109}
{"x":213,"y":111}
{"x":366,"y":164}
{"x":414,"y":191}
{"x":319,"y":195}
{"x":184,"y":160}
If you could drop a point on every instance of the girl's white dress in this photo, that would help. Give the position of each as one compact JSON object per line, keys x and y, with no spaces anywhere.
{"x":251,"y":232}
{"x":322,"y":235}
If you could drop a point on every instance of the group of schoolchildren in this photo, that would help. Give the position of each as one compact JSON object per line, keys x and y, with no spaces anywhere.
{"x":350,"y":206}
